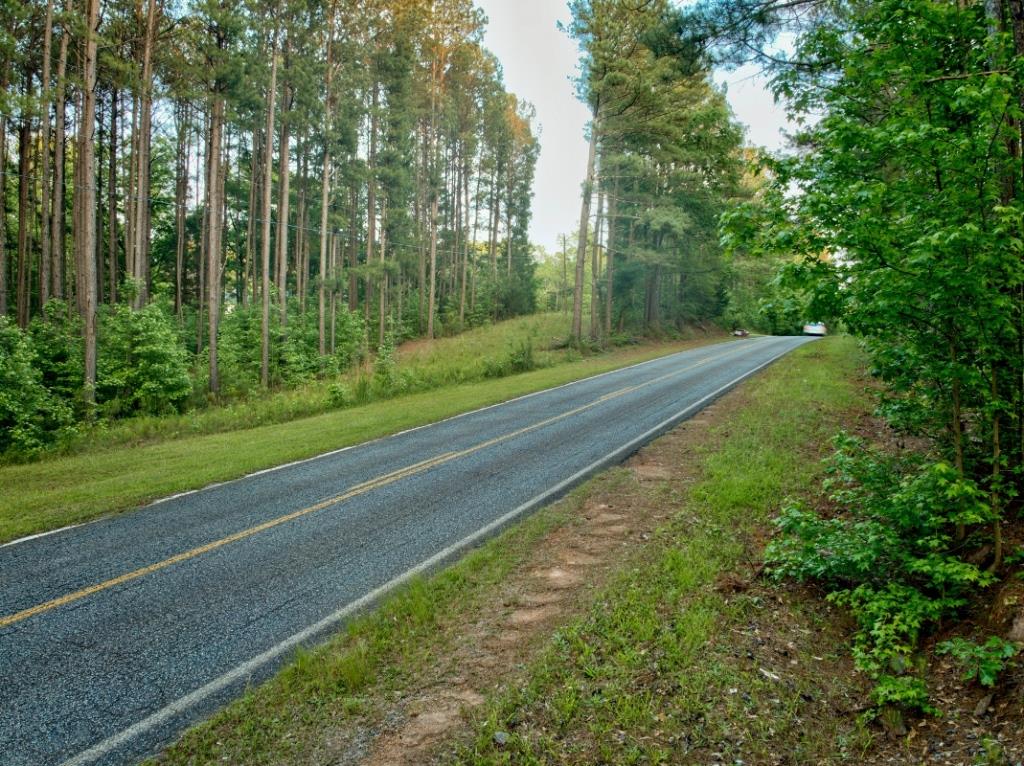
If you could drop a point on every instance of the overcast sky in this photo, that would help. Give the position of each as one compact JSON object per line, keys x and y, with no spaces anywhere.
{"x":539,"y":63}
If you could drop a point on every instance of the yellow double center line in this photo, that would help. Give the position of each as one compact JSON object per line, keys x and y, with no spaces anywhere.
{"x":356,"y":491}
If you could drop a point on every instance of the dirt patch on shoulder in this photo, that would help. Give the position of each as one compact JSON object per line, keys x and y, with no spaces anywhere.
{"x":603,"y":533}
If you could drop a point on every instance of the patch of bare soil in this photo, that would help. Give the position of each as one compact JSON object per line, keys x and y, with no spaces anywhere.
{"x":604,"y":532}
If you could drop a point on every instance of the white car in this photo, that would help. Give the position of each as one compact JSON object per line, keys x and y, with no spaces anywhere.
{"x":815,"y":328}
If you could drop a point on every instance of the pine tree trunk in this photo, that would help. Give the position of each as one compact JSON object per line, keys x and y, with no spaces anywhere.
{"x":353,"y":250}
{"x":180,"y":202}
{"x":371,"y":196}
{"x":326,"y":269}
{"x":143,"y":142}
{"x":215,"y":183}
{"x":130,"y":192}
{"x":581,"y":246}
{"x":302,"y":256}
{"x":251,"y":216}
{"x":595,"y":269}
{"x":610,"y":261}
{"x":57,"y":212}
{"x":433,"y":202}
{"x":24,"y":181}
{"x":45,"y":232}
{"x":284,"y":173}
{"x":268,"y":170}
{"x":508,"y":223}
{"x":112,"y":201}
{"x":382,"y":287}
{"x":85,"y":242}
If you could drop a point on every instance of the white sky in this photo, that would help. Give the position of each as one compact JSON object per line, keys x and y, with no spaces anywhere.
{"x":539,"y":62}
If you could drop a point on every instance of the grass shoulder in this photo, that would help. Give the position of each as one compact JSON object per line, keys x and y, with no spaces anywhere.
{"x":71,"y":489}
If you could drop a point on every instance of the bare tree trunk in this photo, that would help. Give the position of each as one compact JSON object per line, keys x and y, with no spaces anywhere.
{"x":112,"y":201}
{"x":371,"y":198}
{"x":215,"y":184}
{"x":564,"y":294}
{"x":433,"y":201}
{"x":335,"y":262}
{"x":581,"y":246}
{"x":24,"y":181}
{"x":422,"y":172}
{"x":300,"y":219}
{"x":180,"y":202}
{"x":492,"y":223}
{"x":353,"y":251}
{"x":101,"y":143}
{"x":268,"y":169}
{"x":325,"y":193}
{"x":595,"y":269}
{"x":382,"y":288}
{"x":85,"y":242}
{"x":57,"y":212}
{"x":509,"y":186}
{"x":202,"y":139}
{"x":248,"y":277}
{"x":140,"y":207}
{"x":130,"y":192}
{"x":469,"y":250}
{"x":284,"y":171}
{"x":610,"y":262}
{"x":45,"y":257}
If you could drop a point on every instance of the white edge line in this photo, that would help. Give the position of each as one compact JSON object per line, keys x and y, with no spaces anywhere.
{"x":329,"y":453}
{"x":247,"y":668}
{"x":37,"y":535}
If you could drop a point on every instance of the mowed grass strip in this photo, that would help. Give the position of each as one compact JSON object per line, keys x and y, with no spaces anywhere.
{"x":37,"y":497}
{"x":653,"y":674}
{"x":597,"y":689}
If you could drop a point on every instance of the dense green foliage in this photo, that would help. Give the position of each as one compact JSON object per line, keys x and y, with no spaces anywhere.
{"x":668,"y":163}
{"x":983,"y":662}
{"x":891,"y":555}
{"x":369,"y":149}
{"x":31,"y":416}
{"x":902,"y":213}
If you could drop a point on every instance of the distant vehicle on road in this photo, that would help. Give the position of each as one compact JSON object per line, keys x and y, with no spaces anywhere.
{"x":815,"y":328}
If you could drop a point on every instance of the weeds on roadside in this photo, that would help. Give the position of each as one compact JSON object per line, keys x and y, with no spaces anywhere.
{"x":890,"y":556}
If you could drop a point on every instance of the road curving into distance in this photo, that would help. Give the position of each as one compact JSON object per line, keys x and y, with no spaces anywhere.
{"x":117,"y":634}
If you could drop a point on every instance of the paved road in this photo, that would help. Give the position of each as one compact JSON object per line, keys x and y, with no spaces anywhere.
{"x":115,"y":635}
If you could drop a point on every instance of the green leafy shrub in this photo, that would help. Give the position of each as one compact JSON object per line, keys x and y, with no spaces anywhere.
{"x":981,"y":661}
{"x":519,"y":357}
{"x":386,"y":380}
{"x":59,"y":351}
{"x":31,"y":417}
{"x":340,"y":396}
{"x":142,"y":367}
{"x":889,"y":555}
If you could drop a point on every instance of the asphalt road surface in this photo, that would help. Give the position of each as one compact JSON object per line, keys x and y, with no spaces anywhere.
{"x":115,"y":635}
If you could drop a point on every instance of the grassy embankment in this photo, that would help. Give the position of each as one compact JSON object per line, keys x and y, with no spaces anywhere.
{"x":147,"y":458}
{"x":637,"y":678}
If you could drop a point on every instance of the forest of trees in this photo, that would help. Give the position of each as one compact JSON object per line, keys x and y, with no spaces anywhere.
{"x":256,"y":186}
{"x":665,"y":161}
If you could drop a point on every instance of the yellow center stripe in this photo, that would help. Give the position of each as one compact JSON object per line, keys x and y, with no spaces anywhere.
{"x":357,"y":490}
